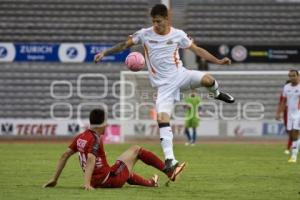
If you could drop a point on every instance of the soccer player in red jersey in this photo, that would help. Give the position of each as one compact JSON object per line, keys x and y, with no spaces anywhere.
{"x":97,"y":172}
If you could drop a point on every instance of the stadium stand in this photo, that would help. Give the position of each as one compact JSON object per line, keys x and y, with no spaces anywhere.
{"x":25,"y":87}
{"x":243,"y":22}
{"x":88,"y":21}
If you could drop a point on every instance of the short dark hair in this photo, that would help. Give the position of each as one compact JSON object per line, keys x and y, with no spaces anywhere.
{"x":159,"y":10}
{"x":97,"y":116}
{"x":294,"y":70}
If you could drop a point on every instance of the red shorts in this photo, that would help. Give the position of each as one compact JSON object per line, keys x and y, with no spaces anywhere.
{"x":118,"y":176}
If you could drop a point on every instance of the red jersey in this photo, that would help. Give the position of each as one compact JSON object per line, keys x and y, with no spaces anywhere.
{"x":90,"y":142}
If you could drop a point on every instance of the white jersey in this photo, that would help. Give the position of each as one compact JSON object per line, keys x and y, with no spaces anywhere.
{"x":292,"y":94}
{"x":161,"y":53}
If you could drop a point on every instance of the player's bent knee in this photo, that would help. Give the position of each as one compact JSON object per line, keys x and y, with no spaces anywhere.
{"x":163,"y":118}
{"x":135,"y":149}
{"x":207,"y":80}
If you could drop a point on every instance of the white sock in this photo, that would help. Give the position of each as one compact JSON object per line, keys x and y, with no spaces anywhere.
{"x":295,"y":149}
{"x":214,"y":89}
{"x":166,"y":142}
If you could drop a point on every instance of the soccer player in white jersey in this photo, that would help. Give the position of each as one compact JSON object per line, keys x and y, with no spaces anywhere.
{"x":166,"y":72}
{"x":291,"y":99}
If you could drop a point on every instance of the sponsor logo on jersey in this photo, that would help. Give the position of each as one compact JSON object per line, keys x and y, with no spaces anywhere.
{"x":170,"y":42}
{"x":153,"y":41}
{"x":81,"y":144}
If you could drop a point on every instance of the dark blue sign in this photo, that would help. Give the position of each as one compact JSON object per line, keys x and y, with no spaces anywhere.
{"x":64,"y":52}
{"x":37,"y":52}
{"x":273,"y":128}
{"x":94,"y":49}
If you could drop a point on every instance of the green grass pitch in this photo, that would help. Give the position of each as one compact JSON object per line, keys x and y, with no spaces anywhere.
{"x":214,"y":171}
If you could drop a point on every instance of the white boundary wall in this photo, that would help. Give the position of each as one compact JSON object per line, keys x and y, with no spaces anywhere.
{"x":55,"y":128}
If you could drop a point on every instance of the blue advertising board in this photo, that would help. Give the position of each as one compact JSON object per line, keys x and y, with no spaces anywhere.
{"x":65,"y":52}
{"x":273,"y":128}
{"x":92,"y":49}
{"x":36,"y":52}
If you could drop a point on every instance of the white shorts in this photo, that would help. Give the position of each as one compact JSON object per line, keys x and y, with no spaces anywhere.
{"x":168,"y":94}
{"x":293,"y":121}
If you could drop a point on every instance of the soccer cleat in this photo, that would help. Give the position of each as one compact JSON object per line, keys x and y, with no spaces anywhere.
{"x":292,"y":160}
{"x":170,"y":166}
{"x":225,"y":97}
{"x":177,"y":171}
{"x":155,"y":179}
{"x":287,"y":152}
{"x":187,"y":144}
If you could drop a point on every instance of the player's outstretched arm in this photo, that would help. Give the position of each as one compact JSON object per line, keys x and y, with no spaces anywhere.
{"x":60,"y":166}
{"x":90,"y":165}
{"x":208,"y":56}
{"x":115,"y":49}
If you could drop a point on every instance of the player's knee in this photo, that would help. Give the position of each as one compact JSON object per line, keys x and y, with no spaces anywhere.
{"x":207,"y":80}
{"x":135,"y":149}
{"x":163,"y":118}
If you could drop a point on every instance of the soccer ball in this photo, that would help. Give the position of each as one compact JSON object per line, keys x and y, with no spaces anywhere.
{"x":135,"y":61}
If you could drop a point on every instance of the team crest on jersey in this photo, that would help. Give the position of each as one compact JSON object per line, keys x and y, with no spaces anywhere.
{"x":153,"y":41}
{"x":170,"y":42}
{"x":81,"y":144}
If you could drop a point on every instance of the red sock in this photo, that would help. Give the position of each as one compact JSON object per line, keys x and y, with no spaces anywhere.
{"x":151,"y":159}
{"x":289,"y":144}
{"x":138,"y":180}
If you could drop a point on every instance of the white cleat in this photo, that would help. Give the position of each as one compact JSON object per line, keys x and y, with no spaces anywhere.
{"x":155,"y":179}
{"x":287,"y":152}
{"x":292,"y":160}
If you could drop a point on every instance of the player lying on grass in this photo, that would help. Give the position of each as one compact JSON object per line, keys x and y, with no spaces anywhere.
{"x":97,"y":172}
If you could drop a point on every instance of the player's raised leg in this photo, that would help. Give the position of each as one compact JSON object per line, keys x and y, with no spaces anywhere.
{"x":213,"y":87}
{"x":192,"y":79}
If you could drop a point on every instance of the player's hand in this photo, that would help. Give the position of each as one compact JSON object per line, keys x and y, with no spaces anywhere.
{"x":278,"y":117}
{"x":50,"y":183}
{"x":225,"y":61}
{"x":88,"y":187}
{"x":98,"y":57}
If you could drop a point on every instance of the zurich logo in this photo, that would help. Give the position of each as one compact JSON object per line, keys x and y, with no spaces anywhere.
{"x":3,"y":52}
{"x":72,"y":52}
